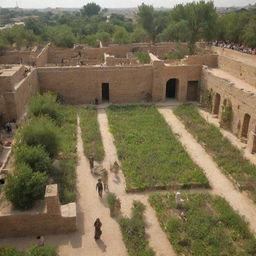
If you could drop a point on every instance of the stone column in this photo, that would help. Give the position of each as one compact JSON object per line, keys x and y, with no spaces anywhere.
{"x":52,"y":200}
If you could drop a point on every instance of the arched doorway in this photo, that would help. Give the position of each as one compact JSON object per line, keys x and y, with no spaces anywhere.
{"x":171,"y":88}
{"x":245,"y":127}
{"x":216,"y":108}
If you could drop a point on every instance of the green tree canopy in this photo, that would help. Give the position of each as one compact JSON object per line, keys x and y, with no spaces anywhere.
{"x":90,"y":9}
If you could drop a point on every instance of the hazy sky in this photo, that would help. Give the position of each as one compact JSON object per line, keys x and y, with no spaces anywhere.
{"x":111,"y":3}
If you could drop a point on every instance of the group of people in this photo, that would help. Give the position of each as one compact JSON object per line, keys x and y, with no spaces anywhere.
{"x":101,"y":185}
{"x":234,"y":46}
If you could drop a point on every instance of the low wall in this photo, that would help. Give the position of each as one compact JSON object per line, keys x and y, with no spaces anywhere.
{"x":53,"y":219}
{"x":11,"y":77}
{"x":239,"y":69}
{"x":82,"y":85}
{"x":207,"y":60}
{"x":18,"y":57}
{"x":42,"y":58}
{"x":112,"y":61}
{"x":17,"y":99}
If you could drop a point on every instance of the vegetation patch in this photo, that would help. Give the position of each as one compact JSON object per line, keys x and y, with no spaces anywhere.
{"x":32,"y":251}
{"x":133,"y":231}
{"x":143,"y":57}
{"x":228,"y":157}
{"x":91,"y":133}
{"x":150,"y":154}
{"x":45,"y":150}
{"x":205,"y":225}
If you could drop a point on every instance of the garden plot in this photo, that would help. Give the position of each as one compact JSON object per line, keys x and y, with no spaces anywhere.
{"x":204,"y":225}
{"x":228,"y":157}
{"x":91,"y":134}
{"x":150,"y":154}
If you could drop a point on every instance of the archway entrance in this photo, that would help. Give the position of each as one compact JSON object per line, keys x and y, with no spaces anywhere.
{"x":105,"y":92}
{"x":245,"y":127}
{"x":216,"y":108}
{"x":171,"y":87}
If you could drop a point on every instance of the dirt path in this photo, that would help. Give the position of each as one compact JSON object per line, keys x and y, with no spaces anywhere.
{"x":89,"y":207}
{"x":231,"y":137}
{"x":157,"y":238}
{"x":219,"y":182}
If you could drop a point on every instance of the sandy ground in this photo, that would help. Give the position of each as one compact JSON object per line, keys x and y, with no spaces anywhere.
{"x":90,"y":206}
{"x":219,"y":182}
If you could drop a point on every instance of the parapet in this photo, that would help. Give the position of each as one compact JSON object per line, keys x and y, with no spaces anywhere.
{"x":52,"y":218}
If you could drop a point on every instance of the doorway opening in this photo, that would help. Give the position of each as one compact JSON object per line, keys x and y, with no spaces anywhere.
{"x":105,"y":91}
{"x":171,"y":87}
{"x":216,"y":108}
{"x":245,"y":127}
{"x":193,"y":91}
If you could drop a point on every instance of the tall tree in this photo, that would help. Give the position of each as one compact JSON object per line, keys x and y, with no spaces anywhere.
{"x":90,"y":9}
{"x":146,"y":18}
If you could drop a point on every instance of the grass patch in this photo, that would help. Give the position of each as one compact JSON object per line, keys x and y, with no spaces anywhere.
{"x":210,"y":226}
{"x":227,"y":156}
{"x":65,"y":175}
{"x":133,"y":231}
{"x":91,"y":134}
{"x":150,"y":154}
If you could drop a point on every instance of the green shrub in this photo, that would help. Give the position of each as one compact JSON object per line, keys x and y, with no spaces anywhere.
{"x":133,"y":231}
{"x":111,"y":199}
{"x":43,"y":251}
{"x":143,"y":57}
{"x":11,"y":252}
{"x":42,"y":131}
{"x":91,"y":133}
{"x":46,"y":104}
{"x":24,"y":187}
{"x":33,"y":251}
{"x":33,"y":156}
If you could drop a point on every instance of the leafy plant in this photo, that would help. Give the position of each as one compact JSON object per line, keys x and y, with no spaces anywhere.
{"x":143,"y":57}
{"x":24,"y":187}
{"x":42,"y":131}
{"x":227,"y":115}
{"x":133,"y":231}
{"x":33,"y":156}
{"x":45,"y":104}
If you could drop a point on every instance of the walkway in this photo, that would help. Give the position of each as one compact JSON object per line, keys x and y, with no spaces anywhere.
{"x":218,"y":181}
{"x":89,"y":207}
{"x":117,"y":185}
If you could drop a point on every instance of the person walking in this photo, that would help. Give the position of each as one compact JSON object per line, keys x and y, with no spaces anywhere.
{"x":97,"y":226}
{"x":99,"y":187}
{"x":40,"y":241}
{"x":105,"y":179}
{"x":91,"y":161}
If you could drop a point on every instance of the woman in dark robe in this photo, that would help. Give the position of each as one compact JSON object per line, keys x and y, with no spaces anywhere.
{"x":98,"y":232}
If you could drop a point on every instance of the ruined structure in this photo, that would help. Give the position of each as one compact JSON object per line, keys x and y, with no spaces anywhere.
{"x":224,"y":80}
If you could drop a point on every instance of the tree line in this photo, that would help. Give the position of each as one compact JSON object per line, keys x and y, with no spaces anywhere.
{"x":184,"y":23}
